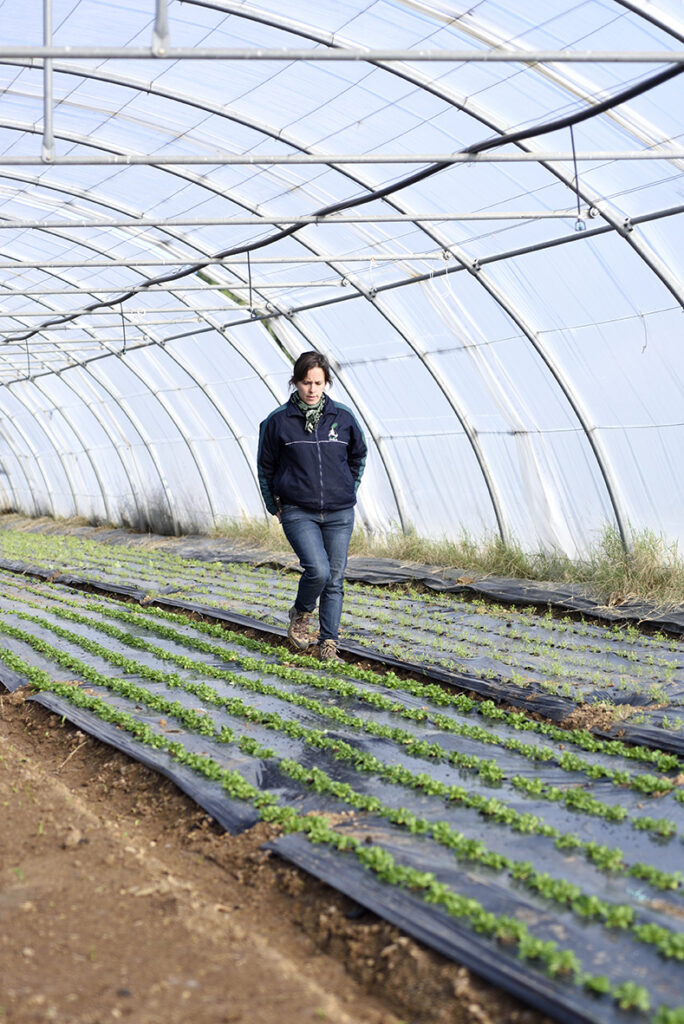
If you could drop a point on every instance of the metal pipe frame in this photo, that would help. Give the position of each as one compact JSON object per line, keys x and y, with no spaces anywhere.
{"x":222,"y":414}
{"x":414,"y":279}
{"x":48,"y":149}
{"x":262,"y":126}
{"x":151,"y":309}
{"x":364,"y":415}
{"x":343,"y":53}
{"x":245,"y":354}
{"x":461,"y":266}
{"x":176,"y":222}
{"x":234,"y":287}
{"x":209,"y":261}
{"x":221,"y":158}
{"x":177,"y":290}
{"x":264,"y":129}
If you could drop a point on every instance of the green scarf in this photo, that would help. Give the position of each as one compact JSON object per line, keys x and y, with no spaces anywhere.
{"x":312,"y":413}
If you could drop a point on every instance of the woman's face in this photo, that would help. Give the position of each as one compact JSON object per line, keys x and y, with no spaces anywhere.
{"x":311,"y":387}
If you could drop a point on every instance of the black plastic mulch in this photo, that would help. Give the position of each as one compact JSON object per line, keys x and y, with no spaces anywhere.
{"x":573,"y":598}
{"x":613,"y":952}
{"x":539,"y":662}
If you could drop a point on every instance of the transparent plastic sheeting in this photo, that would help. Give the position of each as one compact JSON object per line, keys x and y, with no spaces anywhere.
{"x":517,"y":376}
{"x":295,"y":730}
{"x":535,"y":660}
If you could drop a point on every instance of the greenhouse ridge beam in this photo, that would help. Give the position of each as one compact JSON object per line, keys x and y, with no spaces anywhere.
{"x":180,"y":290}
{"x":513,"y":56}
{"x":333,"y":159}
{"x":386,"y":218}
{"x":182,"y":313}
{"x":209,"y":261}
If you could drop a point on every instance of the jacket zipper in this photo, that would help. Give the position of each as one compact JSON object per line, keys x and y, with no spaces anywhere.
{"x":320,"y":464}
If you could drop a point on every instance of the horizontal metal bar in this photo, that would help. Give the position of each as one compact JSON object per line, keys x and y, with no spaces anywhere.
{"x":66,"y":348}
{"x":187,"y":312}
{"x":498,"y":55}
{"x":178,"y":289}
{"x":335,"y":159}
{"x":208,"y":262}
{"x":388,"y":218}
{"x":182,"y":314}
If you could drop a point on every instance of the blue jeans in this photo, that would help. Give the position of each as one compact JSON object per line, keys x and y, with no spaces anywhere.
{"x":321,"y":541}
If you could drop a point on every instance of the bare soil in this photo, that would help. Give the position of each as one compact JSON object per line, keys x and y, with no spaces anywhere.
{"x":121,"y":899}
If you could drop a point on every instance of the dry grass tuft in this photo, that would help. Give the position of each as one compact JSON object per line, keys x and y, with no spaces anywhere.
{"x":651,"y":570}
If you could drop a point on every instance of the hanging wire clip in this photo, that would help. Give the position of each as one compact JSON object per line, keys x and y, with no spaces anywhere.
{"x":579,"y":223}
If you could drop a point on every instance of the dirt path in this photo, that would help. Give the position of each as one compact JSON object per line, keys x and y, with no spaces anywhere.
{"x":120,"y":899}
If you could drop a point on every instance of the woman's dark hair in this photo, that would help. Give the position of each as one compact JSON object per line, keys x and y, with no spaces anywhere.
{"x":309,"y":361}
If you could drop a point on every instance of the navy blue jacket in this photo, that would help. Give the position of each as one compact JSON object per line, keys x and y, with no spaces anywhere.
{"x":317,"y":471}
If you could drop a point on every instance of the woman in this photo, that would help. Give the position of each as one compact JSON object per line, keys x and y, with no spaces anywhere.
{"x":311,"y":456}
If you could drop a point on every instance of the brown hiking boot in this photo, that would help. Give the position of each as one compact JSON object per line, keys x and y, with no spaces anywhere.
{"x":328,"y":652}
{"x":298,"y":631}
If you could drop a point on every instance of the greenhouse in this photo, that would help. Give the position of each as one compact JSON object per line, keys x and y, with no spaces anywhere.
{"x":473,"y":212}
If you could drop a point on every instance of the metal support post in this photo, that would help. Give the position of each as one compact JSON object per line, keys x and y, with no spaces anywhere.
{"x":160,"y":36}
{"x":48,"y":148}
